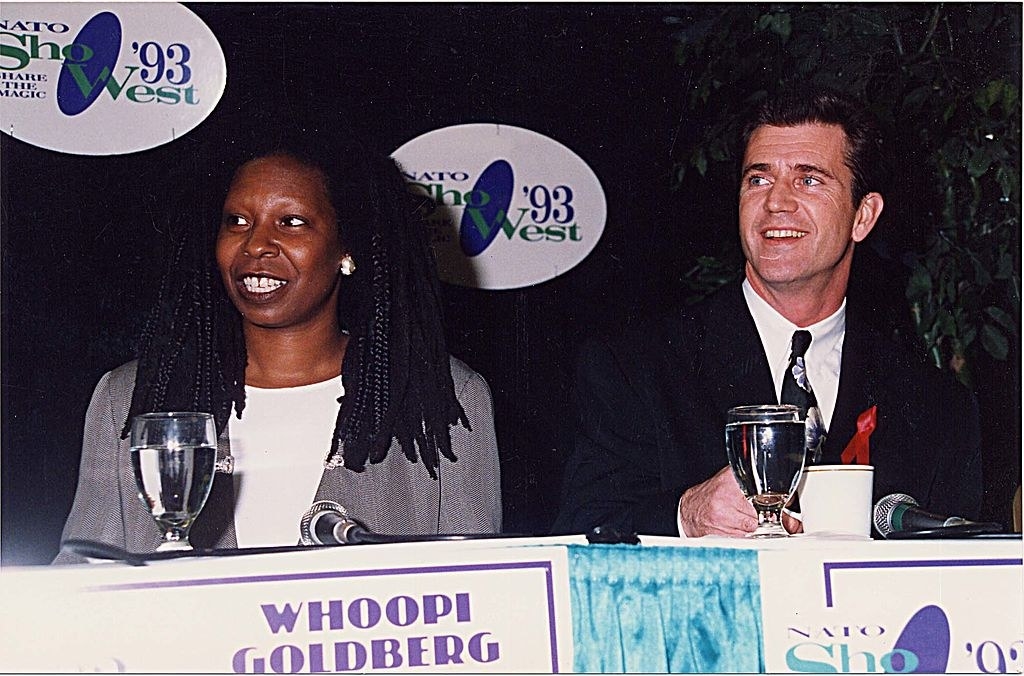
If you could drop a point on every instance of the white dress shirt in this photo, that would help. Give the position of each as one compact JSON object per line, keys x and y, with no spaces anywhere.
{"x":824,"y":356}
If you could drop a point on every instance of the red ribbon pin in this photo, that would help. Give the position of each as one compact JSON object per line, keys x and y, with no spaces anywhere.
{"x":858,"y":451}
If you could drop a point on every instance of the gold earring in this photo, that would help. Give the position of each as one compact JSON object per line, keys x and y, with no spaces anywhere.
{"x":348,"y":266}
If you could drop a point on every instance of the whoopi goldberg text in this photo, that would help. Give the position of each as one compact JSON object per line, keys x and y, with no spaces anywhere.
{"x":434,"y":633}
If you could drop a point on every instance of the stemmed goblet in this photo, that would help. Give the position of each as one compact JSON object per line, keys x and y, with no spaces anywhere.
{"x":767,"y":447}
{"x":174,"y":455}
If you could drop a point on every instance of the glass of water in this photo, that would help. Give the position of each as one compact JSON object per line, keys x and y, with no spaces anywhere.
{"x":767,"y":446}
{"x":174,"y":455}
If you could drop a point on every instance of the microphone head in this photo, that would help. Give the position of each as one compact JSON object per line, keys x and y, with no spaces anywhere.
{"x":884,"y":508}
{"x":307,"y":526}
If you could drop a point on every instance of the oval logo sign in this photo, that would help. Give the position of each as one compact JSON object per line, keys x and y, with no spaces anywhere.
{"x":513,"y":208}
{"x":95,"y":79}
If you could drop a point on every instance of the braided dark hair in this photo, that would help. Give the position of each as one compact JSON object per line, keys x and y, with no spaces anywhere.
{"x":396,"y":371}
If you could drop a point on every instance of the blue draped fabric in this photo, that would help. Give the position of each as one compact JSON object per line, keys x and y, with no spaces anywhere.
{"x":665,"y":609}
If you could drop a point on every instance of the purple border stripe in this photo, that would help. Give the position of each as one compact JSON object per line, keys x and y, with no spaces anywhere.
{"x":938,"y":563}
{"x":543,"y":565}
{"x":284,"y":577}
{"x":552,"y":629}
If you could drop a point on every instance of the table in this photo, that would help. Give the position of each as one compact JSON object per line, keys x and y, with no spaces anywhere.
{"x":799,"y":605}
{"x":529,"y":605}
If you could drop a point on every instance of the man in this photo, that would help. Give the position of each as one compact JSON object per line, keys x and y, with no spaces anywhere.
{"x":649,"y":453}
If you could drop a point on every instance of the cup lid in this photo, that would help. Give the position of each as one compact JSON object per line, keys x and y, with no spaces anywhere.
{"x":838,"y":468}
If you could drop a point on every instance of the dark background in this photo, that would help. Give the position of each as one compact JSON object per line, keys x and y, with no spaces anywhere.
{"x":83,"y":236}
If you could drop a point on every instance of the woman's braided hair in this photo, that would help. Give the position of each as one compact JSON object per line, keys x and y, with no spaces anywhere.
{"x":396,"y":371}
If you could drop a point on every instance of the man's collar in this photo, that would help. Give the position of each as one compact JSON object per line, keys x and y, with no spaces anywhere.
{"x":776,"y":330}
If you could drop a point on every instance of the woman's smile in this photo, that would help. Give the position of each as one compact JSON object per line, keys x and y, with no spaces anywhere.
{"x":258,"y":285}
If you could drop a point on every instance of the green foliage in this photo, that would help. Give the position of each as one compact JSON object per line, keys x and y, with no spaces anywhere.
{"x":945,"y":80}
{"x":709,"y":273}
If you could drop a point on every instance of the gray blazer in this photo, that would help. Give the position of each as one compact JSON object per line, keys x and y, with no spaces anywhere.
{"x":395,"y":496}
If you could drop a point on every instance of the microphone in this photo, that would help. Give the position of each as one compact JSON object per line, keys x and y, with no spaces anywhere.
{"x":899,"y":513}
{"x":328,"y":523}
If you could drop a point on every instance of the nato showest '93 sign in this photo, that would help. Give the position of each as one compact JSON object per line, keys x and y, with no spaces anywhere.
{"x":105,"y":79}
{"x":511,"y":207}
{"x":940,"y":606}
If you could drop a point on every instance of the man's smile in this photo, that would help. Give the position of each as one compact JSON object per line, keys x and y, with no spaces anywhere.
{"x":784,"y":234}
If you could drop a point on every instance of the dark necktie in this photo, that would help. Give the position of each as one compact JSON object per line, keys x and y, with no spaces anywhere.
{"x":796,"y":389}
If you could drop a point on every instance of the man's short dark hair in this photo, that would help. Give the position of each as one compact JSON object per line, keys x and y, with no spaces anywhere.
{"x":863,"y":137}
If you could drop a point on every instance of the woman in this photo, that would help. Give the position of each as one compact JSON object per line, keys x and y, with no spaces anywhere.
{"x":321,"y":289}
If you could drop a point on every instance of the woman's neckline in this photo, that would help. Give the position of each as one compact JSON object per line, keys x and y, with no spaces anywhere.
{"x":321,"y":383}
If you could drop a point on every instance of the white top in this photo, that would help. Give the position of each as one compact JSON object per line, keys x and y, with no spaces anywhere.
{"x":279,"y":447}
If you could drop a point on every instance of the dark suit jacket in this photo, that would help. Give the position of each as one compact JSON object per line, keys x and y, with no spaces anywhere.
{"x":651,"y":407}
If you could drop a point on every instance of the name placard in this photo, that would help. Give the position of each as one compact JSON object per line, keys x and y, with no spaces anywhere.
{"x":413,"y":607}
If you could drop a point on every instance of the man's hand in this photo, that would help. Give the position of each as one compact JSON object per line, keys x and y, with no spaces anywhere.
{"x":716,"y":507}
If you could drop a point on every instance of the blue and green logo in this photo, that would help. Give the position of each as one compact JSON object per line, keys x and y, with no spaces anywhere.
{"x":90,"y":80}
{"x":533,"y":212}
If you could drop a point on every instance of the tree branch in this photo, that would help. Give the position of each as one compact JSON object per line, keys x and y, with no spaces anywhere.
{"x":931,"y":30}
